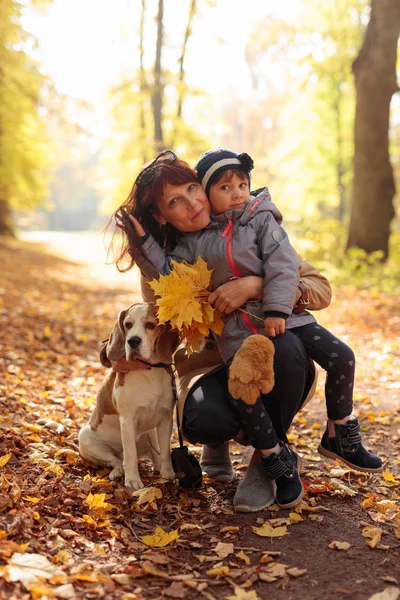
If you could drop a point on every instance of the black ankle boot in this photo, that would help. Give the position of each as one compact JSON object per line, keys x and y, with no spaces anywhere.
{"x":284,"y":469}
{"x":344,"y":441}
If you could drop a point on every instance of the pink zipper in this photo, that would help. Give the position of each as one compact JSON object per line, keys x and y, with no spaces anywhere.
{"x":231,"y":262}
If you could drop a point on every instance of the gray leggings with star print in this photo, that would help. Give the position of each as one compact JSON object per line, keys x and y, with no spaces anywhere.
{"x":339,"y":363}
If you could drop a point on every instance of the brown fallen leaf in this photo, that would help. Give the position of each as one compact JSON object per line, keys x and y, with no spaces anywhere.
{"x":229,"y":529}
{"x":147,"y":495}
{"x":295,"y":572}
{"x":175,"y":590}
{"x":266,"y":578}
{"x":372,"y":532}
{"x":389,"y":579}
{"x":244,"y":557}
{"x":389,"y":593}
{"x":222,"y":571}
{"x":150,"y":569}
{"x":336,"y":545}
{"x":222,"y":549}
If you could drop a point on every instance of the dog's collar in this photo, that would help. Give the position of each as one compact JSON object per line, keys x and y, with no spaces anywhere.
{"x":142,"y":364}
{"x":159,"y":365}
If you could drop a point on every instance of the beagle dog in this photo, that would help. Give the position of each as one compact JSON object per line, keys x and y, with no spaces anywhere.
{"x":133,"y":415}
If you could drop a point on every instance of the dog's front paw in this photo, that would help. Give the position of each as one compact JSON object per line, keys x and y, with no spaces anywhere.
{"x":116,"y":473}
{"x":167,"y":473}
{"x":135,"y":483}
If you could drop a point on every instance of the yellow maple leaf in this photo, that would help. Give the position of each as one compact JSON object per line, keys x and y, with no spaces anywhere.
{"x":267,"y":531}
{"x":147,"y":494}
{"x":160,"y":538}
{"x":183,"y":301}
{"x":390,"y":480}
{"x":241,"y":594}
{"x":97,"y":502}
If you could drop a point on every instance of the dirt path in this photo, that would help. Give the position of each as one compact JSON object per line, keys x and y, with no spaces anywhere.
{"x":53,"y":312}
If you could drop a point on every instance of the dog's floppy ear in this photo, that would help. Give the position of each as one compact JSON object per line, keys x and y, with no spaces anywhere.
{"x":167,"y":341}
{"x":103,"y":356}
{"x":166,"y":344}
{"x":115,"y":348}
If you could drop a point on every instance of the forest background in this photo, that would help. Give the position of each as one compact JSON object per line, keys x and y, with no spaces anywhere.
{"x":89,"y":93}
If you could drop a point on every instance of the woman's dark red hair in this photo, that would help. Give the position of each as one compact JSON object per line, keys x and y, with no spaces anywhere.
{"x":142,"y":204}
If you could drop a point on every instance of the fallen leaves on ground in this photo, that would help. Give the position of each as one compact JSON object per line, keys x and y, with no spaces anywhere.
{"x":85,"y":533}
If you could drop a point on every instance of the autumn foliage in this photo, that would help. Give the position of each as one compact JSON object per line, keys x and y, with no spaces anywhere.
{"x":67,"y":531}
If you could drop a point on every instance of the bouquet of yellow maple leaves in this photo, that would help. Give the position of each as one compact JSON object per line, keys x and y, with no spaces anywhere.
{"x":183,"y":301}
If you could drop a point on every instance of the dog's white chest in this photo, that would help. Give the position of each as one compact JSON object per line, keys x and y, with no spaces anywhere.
{"x":147,"y":396}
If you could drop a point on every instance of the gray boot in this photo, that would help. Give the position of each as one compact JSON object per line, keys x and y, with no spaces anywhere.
{"x":256,"y":491}
{"x":217,"y":464}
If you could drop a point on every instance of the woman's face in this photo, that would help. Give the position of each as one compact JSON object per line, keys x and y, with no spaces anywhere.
{"x":186,"y":207}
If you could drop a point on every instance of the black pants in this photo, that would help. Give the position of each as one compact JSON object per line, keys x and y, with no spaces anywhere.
{"x":209,"y":416}
{"x":339,"y":362}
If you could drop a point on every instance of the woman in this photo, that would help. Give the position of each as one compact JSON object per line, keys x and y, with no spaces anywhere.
{"x":169,"y":202}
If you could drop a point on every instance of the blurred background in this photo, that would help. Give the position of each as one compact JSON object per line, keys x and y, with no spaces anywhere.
{"x":91,"y":89}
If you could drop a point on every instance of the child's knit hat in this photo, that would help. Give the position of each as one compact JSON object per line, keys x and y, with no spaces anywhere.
{"x":216,"y":161}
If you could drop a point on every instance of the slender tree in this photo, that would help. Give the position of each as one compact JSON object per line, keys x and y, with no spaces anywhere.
{"x":181,"y":88}
{"x":23,"y":152}
{"x":142,"y":85}
{"x":375,"y":81}
{"x":157,"y":96}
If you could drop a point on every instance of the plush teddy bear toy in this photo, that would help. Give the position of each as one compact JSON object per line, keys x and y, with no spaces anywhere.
{"x":252,"y":369}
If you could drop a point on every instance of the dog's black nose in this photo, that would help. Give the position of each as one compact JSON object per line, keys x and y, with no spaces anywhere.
{"x":134,"y":341}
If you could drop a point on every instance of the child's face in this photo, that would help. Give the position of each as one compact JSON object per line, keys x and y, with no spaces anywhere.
{"x":231,"y":191}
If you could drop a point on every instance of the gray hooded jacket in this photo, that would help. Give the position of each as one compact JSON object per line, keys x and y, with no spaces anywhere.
{"x":236,"y":244}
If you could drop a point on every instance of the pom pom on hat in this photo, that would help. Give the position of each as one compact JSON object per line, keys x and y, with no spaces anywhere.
{"x":216,"y":161}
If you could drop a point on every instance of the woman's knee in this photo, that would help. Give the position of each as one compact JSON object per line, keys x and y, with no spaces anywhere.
{"x":209,"y":425}
{"x":208,"y":417}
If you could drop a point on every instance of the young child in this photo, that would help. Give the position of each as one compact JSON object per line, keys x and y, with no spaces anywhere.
{"x":243,"y":238}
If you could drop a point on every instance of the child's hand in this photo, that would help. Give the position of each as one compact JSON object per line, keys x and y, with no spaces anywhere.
{"x":274,"y":326}
{"x":138,"y":228}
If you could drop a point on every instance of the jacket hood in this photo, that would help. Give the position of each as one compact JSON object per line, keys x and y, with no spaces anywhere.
{"x":260,"y":203}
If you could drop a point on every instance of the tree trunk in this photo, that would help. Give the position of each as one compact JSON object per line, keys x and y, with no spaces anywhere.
{"x":157,"y":92}
{"x":6,"y":223}
{"x":188,"y":31}
{"x":143,"y":87}
{"x":340,"y":170}
{"x":375,"y":80}
{"x":181,"y":77}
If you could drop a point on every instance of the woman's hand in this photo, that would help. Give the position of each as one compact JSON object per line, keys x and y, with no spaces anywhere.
{"x":274,"y":326}
{"x":138,"y":228}
{"x":231,"y":295}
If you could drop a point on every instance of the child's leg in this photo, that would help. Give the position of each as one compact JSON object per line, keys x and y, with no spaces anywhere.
{"x":342,"y":437}
{"x":280,"y":463}
{"x":339,"y":362}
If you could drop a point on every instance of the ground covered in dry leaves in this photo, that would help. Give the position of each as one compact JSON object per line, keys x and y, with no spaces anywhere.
{"x":66,"y":531}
